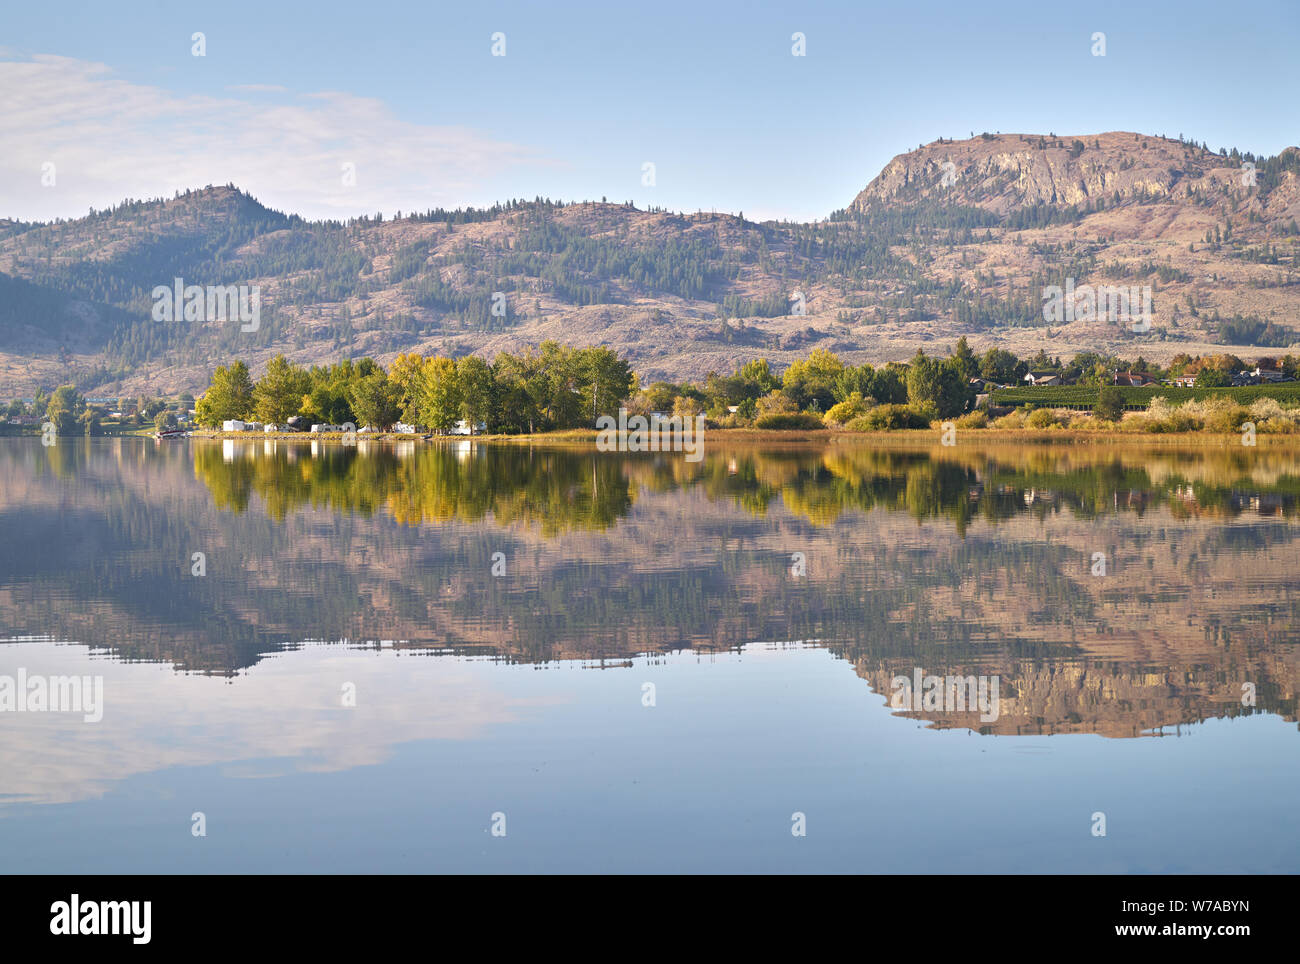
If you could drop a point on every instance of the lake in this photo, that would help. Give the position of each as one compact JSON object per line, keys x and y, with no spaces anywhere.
{"x":490,"y":657}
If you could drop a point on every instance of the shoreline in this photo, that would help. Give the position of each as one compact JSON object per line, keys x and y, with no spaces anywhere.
{"x":908,"y":437}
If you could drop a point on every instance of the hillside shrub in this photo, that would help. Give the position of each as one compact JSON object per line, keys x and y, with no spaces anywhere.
{"x":788,"y":421}
{"x":846,"y":411}
{"x":886,"y":418}
{"x":977,"y":419}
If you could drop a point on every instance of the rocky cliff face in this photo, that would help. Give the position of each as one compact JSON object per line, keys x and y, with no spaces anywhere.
{"x":1001,"y":172}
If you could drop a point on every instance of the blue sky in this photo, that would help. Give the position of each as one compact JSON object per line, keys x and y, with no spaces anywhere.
{"x":409,"y":93}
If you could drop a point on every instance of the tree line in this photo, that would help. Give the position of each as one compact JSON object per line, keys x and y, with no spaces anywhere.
{"x":555,"y":387}
{"x":544,"y":389}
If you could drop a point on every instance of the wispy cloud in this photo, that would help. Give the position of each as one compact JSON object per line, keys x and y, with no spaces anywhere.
{"x":109,"y":138}
{"x":277,"y":718}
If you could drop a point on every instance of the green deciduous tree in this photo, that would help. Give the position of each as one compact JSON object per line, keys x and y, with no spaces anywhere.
{"x":64,"y":408}
{"x":940,"y":384}
{"x":404,"y":376}
{"x":439,"y":394}
{"x":1110,"y":404}
{"x":759,"y":374}
{"x":999,"y":365}
{"x":604,"y":379}
{"x":376,"y":401}
{"x":813,"y":379}
{"x":1212,"y":377}
{"x":279,"y":393}
{"x":477,"y":389}
{"x":519,"y":390}
{"x":230,"y":396}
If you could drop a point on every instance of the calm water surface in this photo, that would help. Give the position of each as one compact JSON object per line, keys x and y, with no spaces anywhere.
{"x":504,"y":613}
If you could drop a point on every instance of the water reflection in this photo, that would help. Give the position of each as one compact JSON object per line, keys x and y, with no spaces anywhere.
{"x":560,"y":489}
{"x":962,"y":561}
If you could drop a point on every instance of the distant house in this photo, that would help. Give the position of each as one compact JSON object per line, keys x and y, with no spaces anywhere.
{"x":1185,"y":381}
{"x":1133,"y":379}
{"x":402,"y":428}
{"x":1043,"y":378}
{"x":463,"y":428}
{"x":232,"y":425}
{"x":1271,"y":375}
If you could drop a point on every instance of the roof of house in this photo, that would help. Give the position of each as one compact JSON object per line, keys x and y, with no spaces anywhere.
{"x":1132,"y":378}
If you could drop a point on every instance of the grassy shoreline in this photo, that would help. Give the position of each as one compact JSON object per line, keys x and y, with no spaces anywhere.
{"x":900,"y":437}
{"x":908,"y":437}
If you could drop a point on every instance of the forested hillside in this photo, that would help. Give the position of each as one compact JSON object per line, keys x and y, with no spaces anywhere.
{"x":953,"y":238}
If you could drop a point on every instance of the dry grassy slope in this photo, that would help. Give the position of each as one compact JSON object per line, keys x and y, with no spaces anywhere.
{"x":1162,"y":197}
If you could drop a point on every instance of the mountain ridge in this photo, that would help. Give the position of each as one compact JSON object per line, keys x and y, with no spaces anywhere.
{"x":956,"y":237}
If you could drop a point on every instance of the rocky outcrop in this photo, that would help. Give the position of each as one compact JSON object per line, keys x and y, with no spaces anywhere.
{"x":1004,"y":171}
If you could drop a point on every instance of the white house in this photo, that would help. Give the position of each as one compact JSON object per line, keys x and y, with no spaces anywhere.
{"x":232,"y":425}
{"x":1043,"y":378}
{"x":462,"y":428}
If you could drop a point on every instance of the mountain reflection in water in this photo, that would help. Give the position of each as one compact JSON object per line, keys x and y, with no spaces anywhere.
{"x":964,"y":561}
